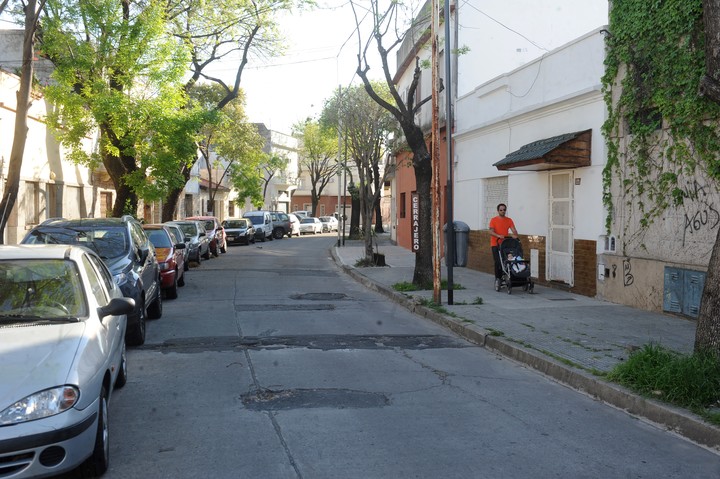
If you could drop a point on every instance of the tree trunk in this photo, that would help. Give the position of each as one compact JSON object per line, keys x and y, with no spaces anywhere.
{"x":423,"y":274}
{"x":170,"y":204}
{"x":707,"y":334}
{"x":378,"y":211}
{"x":12,"y":185}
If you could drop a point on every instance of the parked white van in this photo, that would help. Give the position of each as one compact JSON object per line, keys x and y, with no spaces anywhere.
{"x":262,"y":221}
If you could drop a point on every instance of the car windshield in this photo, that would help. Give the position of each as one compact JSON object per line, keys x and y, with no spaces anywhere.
{"x":209,"y":225}
{"x":256,"y":220}
{"x":34,"y":289}
{"x":107,"y":242}
{"x":236,"y":224}
{"x":159,"y":238}
{"x":307,"y":220}
{"x":188,"y":228}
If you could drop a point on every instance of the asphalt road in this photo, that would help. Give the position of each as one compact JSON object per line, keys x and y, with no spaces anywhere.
{"x":272,"y":363}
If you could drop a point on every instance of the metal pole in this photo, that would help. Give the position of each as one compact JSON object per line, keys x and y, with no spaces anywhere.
{"x":338,"y":160}
{"x":450,"y":257}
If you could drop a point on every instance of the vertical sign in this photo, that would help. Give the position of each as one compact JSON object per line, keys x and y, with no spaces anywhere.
{"x":415,"y":223}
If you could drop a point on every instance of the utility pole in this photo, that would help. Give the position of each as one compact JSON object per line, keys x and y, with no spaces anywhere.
{"x":435,"y":154}
{"x":450,"y":238}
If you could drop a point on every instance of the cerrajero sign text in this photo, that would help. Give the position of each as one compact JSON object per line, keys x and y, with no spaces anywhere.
{"x":415,"y":223}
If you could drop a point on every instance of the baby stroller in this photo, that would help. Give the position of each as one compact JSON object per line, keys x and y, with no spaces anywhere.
{"x":516,"y":269}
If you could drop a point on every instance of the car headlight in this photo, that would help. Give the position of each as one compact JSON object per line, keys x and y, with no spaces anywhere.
{"x":41,"y":404}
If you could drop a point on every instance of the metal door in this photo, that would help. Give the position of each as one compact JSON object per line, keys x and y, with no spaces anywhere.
{"x":560,"y":237}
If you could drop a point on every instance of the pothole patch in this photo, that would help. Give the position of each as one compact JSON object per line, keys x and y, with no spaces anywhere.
{"x":320,"y":296}
{"x":271,"y":400}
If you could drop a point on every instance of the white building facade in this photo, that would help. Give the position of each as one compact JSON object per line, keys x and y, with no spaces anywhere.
{"x":532,"y":139}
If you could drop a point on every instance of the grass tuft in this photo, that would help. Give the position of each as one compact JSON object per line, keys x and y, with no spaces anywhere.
{"x":691,"y":381}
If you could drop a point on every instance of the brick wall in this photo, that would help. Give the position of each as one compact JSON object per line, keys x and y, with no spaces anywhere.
{"x":480,"y":259}
{"x":585,"y":268}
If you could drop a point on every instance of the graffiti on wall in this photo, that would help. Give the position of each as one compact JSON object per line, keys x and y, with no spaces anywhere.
{"x":628,"y":278}
{"x":701,"y":214}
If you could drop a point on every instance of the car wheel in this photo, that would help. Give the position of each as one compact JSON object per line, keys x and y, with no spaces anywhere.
{"x":97,"y":464}
{"x":186,"y":264}
{"x":156,"y":308}
{"x":207,"y":254}
{"x":181,"y":281}
{"x":171,"y":292}
{"x":135,"y":335}
{"x":122,"y":376}
{"x":278,"y":233}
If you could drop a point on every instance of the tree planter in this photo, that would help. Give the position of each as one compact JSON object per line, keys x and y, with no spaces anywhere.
{"x":379,"y":259}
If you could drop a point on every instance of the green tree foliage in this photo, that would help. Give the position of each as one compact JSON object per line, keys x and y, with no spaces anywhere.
{"x":318,"y":157}
{"x":654,"y":64}
{"x":116,"y":70}
{"x":366,"y":127}
{"x":236,"y":143}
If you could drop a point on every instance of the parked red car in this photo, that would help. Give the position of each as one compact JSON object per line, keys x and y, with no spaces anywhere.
{"x":215,"y":231}
{"x":170,"y":258}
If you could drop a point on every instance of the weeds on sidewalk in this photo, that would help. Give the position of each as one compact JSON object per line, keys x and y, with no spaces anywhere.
{"x":407,"y":286}
{"x":691,"y":382}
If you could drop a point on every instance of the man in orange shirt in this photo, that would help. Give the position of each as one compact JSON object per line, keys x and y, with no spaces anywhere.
{"x":500,"y":227}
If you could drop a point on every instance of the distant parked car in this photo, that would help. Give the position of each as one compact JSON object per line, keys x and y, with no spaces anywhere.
{"x":310,"y":225}
{"x":179,"y":237}
{"x":170,"y":258}
{"x":215,"y":233}
{"x":302,"y":214}
{"x":330,"y":223}
{"x":262,"y":221}
{"x":294,"y":224}
{"x":239,"y":231}
{"x":198,"y":238}
{"x":281,"y":224}
{"x":62,"y":350}
{"x":128,"y":253}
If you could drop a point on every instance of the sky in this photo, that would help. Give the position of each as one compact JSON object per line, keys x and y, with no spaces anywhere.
{"x":322,"y":50}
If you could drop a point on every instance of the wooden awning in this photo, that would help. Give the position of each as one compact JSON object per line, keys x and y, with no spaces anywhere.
{"x":571,"y":150}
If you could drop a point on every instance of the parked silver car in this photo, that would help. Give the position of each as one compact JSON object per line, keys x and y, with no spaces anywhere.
{"x":62,"y":349}
{"x":197,"y":237}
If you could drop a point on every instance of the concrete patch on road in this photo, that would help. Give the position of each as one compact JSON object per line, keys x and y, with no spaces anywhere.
{"x":271,"y":400}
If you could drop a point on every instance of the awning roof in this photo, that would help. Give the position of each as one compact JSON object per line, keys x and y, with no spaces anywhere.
{"x":571,"y":150}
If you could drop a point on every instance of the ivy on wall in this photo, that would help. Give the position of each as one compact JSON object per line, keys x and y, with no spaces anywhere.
{"x":659,"y":130}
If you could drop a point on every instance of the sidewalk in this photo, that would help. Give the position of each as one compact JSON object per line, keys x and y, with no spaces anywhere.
{"x":563,"y":335}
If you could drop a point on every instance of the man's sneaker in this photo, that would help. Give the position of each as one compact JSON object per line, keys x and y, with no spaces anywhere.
{"x":497,"y":284}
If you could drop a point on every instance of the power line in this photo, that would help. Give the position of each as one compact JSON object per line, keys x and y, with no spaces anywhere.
{"x":467,"y":3}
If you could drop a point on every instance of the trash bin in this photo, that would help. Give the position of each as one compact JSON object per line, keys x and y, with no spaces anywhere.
{"x":462,"y":234}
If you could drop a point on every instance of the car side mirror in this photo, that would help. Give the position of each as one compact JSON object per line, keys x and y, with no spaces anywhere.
{"x":180,"y":246}
{"x":188,"y":238}
{"x":144,"y":252}
{"x":116,"y":307}
{"x":203,"y":234}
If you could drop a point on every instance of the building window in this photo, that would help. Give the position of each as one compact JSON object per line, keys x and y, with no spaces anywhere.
{"x":32,"y":203}
{"x":231,"y":209}
{"x":403,"y":205}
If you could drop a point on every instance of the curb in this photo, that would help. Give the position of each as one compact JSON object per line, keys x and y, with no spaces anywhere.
{"x":672,"y":419}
